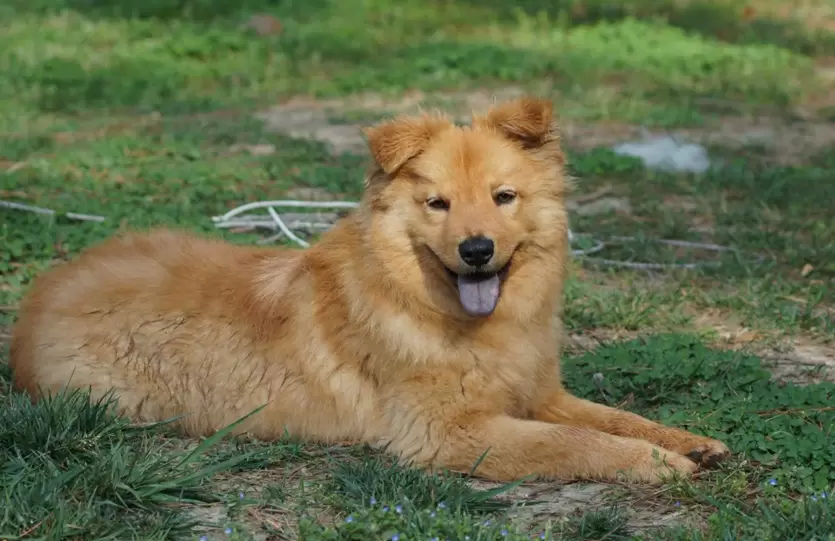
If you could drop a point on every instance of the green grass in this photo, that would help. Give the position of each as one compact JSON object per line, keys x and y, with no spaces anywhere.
{"x":72,"y":469}
{"x":721,"y":20}
{"x":71,"y":57}
{"x":777,"y":219}
{"x":132,"y":111}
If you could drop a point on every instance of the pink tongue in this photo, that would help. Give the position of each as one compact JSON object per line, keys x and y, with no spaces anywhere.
{"x":479,"y":296}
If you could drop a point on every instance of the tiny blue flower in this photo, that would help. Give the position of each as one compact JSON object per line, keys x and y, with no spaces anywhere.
{"x":398,"y":509}
{"x":542,"y":535}
{"x":386,"y":509}
{"x":241,"y":495}
{"x":773,"y":482}
{"x":373,"y":501}
{"x":678,"y":504}
{"x":395,"y":537}
{"x":442,"y":505}
{"x":228,"y":531}
{"x":814,"y":498}
{"x":204,"y":538}
{"x":504,"y":533}
{"x":349,"y":518}
{"x":823,"y":495}
{"x":434,"y":539}
{"x":432,"y":514}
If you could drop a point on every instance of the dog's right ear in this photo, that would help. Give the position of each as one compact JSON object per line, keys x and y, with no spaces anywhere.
{"x":529,"y":122}
{"x":395,"y":142}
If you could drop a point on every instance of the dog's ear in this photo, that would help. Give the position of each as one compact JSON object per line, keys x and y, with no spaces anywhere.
{"x":527,"y":121}
{"x":395,"y":142}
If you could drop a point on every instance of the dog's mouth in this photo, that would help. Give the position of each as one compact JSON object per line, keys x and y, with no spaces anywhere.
{"x":479,"y":291}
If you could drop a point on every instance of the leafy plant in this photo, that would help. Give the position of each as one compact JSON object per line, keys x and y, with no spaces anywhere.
{"x":724,"y":394}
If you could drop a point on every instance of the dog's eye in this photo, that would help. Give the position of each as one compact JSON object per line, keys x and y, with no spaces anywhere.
{"x":436,"y":203}
{"x":504,"y":197}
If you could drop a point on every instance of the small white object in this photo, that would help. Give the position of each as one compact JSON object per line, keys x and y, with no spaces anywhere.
{"x":50,"y":212}
{"x":667,"y":154}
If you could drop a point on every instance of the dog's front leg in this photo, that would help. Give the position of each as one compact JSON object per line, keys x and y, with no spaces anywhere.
{"x":514,"y":448}
{"x":562,"y":408}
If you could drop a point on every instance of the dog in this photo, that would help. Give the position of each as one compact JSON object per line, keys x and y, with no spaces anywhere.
{"x":427,"y":322}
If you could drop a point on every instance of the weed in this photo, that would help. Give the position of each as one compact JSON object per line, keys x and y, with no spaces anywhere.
{"x":398,"y":522}
{"x":70,"y":466}
{"x":361,"y":484}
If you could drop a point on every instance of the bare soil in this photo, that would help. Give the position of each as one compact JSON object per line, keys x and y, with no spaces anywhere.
{"x":786,"y":140}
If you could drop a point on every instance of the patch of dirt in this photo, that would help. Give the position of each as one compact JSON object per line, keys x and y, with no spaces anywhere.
{"x":312,"y":119}
{"x":268,"y":501}
{"x":260,"y":522}
{"x":802,"y":363}
{"x":558,"y":502}
{"x":304,"y":122}
{"x":800,"y":360}
{"x":783,"y":141}
{"x":604,"y":205}
{"x":786,"y":142}
{"x":591,"y":339}
{"x":822,"y":101}
{"x":263,"y":24}
{"x":815,"y":14}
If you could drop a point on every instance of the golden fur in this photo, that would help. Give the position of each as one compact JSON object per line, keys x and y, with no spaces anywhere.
{"x":362,"y":336}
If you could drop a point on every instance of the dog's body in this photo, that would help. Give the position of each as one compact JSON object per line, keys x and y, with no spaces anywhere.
{"x":427,"y":321}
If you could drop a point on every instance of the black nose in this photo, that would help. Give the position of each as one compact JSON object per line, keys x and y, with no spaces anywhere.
{"x":476,"y":251}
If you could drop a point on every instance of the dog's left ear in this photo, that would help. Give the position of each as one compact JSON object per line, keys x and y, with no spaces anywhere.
{"x":395,"y":142}
{"x":527,"y":121}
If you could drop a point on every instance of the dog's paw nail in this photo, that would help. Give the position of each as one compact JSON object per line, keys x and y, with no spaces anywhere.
{"x":710,"y":455}
{"x":712,"y":461}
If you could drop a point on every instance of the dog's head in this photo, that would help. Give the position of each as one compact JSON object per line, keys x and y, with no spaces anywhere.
{"x":477,"y":206}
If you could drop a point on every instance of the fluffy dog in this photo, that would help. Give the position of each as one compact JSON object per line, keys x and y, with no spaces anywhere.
{"x":427,"y":321}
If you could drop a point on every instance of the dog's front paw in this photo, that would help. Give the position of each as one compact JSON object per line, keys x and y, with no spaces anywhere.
{"x":666,"y":465}
{"x":656,"y":465}
{"x":707,"y":453}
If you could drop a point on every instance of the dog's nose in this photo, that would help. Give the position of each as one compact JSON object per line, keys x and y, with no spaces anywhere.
{"x":476,"y":251}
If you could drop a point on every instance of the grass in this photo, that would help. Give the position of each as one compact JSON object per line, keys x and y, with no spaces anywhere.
{"x":143,"y":113}
{"x":183,"y":57}
{"x":774,"y":217}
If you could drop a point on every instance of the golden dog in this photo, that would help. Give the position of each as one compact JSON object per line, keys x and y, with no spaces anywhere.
{"x":427,"y":321}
